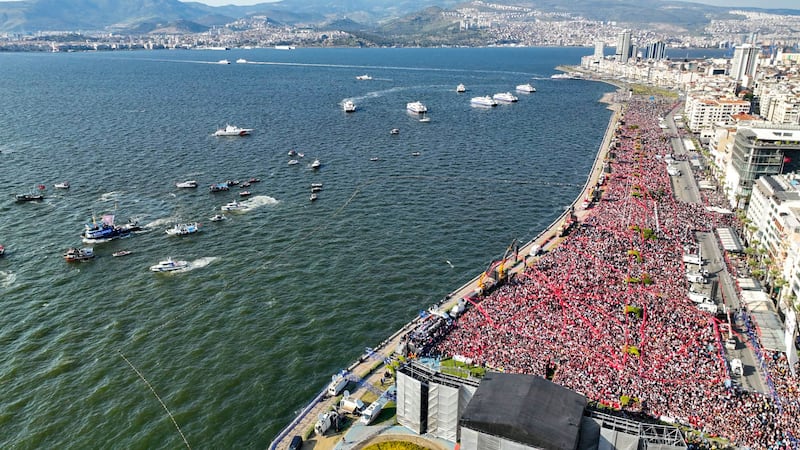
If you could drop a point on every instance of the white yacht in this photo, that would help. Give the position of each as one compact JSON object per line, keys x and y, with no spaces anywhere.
{"x":506,"y":97}
{"x":527,"y":87}
{"x":483,"y":101}
{"x":416,"y":107}
{"x":316,"y":164}
{"x":182,"y":229}
{"x":461,"y":88}
{"x":188,"y":184}
{"x":349,"y":106}
{"x":169,"y":265}
{"x":233,"y":206}
{"x":233,"y":130}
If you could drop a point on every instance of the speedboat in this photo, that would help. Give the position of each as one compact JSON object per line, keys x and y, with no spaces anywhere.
{"x":293,"y":162}
{"x":182,"y":229}
{"x":292,"y":152}
{"x":363,"y":77}
{"x":245,"y":194}
{"x":223,"y":61}
{"x":187,"y":184}
{"x":507,"y":97}
{"x":316,"y":185}
{"x":254,"y":180}
{"x":233,"y":206}
{"x":217,"y":218}
{"x":313,"y":197}
{"x":121,"y":253}
{"x":62,"y":185}
{"x":29,"y":197}
{"x":461,"y":88}
{"x":75,"y":254}
{"x":316,"y":164}
{"x":349,"y":106}
{"x":483,"y":101}
{"x":232,"y":182}
{"x":169,"y":265}
{"x":244,"y":185}
{"x":218,"y":187}
{"x":526,"y":88}
{"x":394,"y":131}
{"x":316,"y":188}
{"x":233,"y":130}
{"x":416,"y":107}
{"x":241,"y":61}
{"x":2,"y":250}
{"x":415,"y":153}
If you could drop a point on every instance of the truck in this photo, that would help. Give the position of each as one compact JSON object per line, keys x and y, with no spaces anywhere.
{"x":695,"y":277}
{"x":699,"y":298}
{"x":371,"y":413}
{"x":350,"y":405}
{"x":338,"y":382}
{"x":326,"y":421}
{"x":691,"y":258}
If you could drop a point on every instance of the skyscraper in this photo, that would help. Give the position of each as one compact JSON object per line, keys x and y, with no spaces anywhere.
{"x":624,"y":49}
{"x":744,"y":63}
{"x":657,"y":50}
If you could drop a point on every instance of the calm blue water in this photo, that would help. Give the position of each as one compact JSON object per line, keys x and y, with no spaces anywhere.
{"x":283,"y":295}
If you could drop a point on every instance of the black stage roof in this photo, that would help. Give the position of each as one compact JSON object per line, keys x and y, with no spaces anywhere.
{"x":526,"y":409}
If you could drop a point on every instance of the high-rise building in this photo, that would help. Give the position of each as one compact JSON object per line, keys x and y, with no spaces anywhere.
{"x":744,"y":64}
{"x":624,"y":49}
{"x":599,"y":48}
{"x":657,"y":50}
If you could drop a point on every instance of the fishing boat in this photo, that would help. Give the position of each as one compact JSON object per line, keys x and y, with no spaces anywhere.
{"x":183,"y":229}
{"x":169,"y":265}
{"x":75,"y":254}
{"x":106,"y":230}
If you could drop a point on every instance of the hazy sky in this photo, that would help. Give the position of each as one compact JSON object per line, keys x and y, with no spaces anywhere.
{"x":792,"y":4}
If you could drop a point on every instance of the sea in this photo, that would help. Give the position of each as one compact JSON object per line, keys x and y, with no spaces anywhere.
{"x":277,"y":298}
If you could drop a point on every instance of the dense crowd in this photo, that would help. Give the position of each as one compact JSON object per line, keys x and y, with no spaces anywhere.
{"x":606,"y":312}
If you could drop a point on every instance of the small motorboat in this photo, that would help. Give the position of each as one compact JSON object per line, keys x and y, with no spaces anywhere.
{"x":292,"y":153}
{"x":349,"y":106}
{"x":316,"y":164}
{"x":415,"y":153}
{"x":233,"y":130}
{"x":183,"y":229}
{"x":232,"y":182}
{"x":374,"y":158}
{"x":244,"y":185}
{"x":233,"y":206}
{"x":188,"y":184}
{"x":218,"y":187}
{"x":254,"y":180}
{"x":217,"y":218}
{"x":245,"y":194}
{"x":293,"y":162}
{"x":29,"y":197}
{"x":461,"y":88}
{"x":313,"y":197}
{"x":425,"y":119}
{"x":241,"y":61}
{"x":121,"y":253}
{"x":169,"y":265}
{"x":300,"y":155}
{"x":62,"y":185}
{"x":316,"y":188}
{"x":2,"y":250}
{"x":394,"y":131}
{"x":223,"y":61}
{"x":316,"y":185}
{"x":75,"y":254}
{"x":363,"y":77}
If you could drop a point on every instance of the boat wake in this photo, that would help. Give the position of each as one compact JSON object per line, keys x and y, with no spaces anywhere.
{"x":257,"y":202}
{"x":377,"y":94}
{"x":201,"y":262}
{"x":109,"y":196}
{"x":7,"y":278}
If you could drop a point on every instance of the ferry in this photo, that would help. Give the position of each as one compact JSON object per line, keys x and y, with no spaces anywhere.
{"x":527,"y":87}
{"x":483,"y":101}
{"x":506,"y":97}
{"x":416,"y":107}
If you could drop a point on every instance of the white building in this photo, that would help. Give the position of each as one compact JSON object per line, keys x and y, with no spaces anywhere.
{"x":744,"y":64}
{"x":703,"y":112}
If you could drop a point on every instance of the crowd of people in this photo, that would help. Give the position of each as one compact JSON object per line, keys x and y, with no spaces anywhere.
{"x":606,"y":312}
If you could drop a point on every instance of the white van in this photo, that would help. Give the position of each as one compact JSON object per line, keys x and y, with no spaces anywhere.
{"x":708,"y":307}
{"x":691,"y":258}
{"x":736,"y":367}
{"x":699,"y":298}
{"x":695,"y":277}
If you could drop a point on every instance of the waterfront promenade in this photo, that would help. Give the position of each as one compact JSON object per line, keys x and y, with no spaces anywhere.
{"x":369,"y":368}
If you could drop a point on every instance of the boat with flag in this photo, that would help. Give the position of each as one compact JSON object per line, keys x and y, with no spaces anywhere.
{"x":106,"y":230}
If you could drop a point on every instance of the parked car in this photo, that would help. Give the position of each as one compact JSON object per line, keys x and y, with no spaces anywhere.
{"x":297,"y":442}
